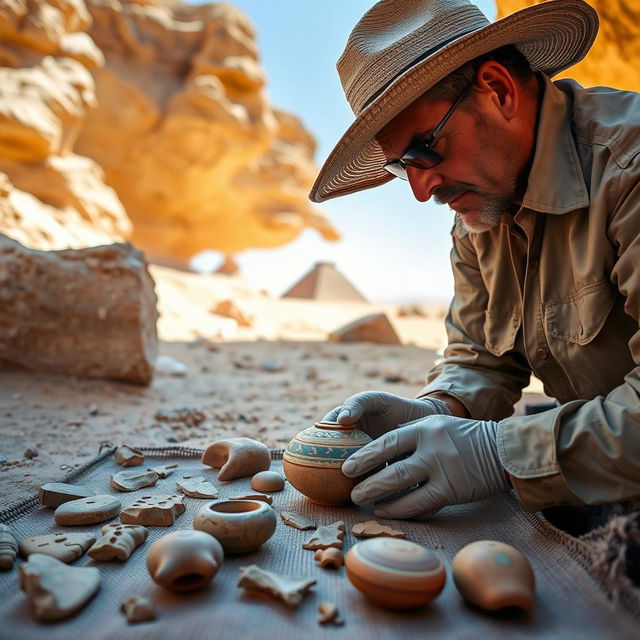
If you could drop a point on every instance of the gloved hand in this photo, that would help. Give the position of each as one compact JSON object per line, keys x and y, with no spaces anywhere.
{"x":452,"y":460}
{"x":377,"y":412}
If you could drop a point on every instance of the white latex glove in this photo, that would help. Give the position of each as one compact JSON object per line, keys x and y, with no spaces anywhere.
{"x":378,"y":412}
{"x":452,"y":460}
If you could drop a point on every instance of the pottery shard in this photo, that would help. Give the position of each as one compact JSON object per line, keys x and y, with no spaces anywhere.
{"x":328,"y":614}
{"x":254,"y":496}
{"x":330,"y":557}
{"x":138,"y":609}
{"x":237,"y":457}
{"x":297,"y":520}
{"x":54,"y":590}
{"x":267,"y":481}
{"x":288,"y":589}
{"x":165,"y":470}
{"x":8,"y":547}
{"x":154,"y":511}
{"x":374,"y":328}
{"x":133,"y":479}
{"x":197,"y":487}
{"x":330,"y":535}
{"x":87,"y":510}
{"x":371,"y":528}
{"x":128,"y":456}
{"x":65,"y":547}
{"x":118,"y":542}
{"x":53,"y":494}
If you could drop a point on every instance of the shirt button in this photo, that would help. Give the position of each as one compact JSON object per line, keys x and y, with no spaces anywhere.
{"x":542,"y":354}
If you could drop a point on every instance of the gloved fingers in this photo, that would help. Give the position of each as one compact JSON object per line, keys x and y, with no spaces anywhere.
{"x":396,"y":477}
{"x":420,"y":503}
{"x":332,"y":416}
{"x":355,"y":406}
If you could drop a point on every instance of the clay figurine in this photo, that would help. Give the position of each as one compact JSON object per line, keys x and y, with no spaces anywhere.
{"x":287,"y":589}
{"x":371,"y":529}
{"x":138,"y":609}
{"x":297,"y":520}
{"x":329,"y":614}
{"x":53,"y":494}
{"x":494,"y":575}
{"x":128,"y":456}
{"x":330,"y":557}
{"x":330,"y":535}
{"x":54,"y":590}
{"x":65,"y":547}
{"x":241,"y":526}
{"x":164,"y":470}
{"x":184,"y":560}
{"x":8,"y":548}
{"x":395,"y":573}
{"x":197,"y":487}
{"x":118,"y":542}
{"x":312,"y":462}
{"x":154,"y":511}
{"x":267,"y":481}
{"x":263,"y":497}
{"x":237,"y":457}
{"x":133,"y":479}
{"x":87,"y":510}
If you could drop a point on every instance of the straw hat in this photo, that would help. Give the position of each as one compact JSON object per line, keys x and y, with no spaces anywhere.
{"x":401,"y":48}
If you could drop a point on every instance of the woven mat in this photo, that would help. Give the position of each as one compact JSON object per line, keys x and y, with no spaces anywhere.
{"x":569,"y":602}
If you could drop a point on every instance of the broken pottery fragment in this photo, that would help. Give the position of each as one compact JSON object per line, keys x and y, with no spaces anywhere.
{"x":328,"y":614}
{"x":154,"y":511}
{"x":65,"y":547}
{"x":165,"y":470}
{"x":133,"y":479}
{"x":128,"y":456}
{"x":53,"y":494}
{"x":197,"y":487}
{"x":297,"y":520}
{"x":288,"y":589}
{"x":184,"y":560}
{"x":267,"y":481}
{"x":371,"y":529}
{"x":8,"y":548}
{"x":138,"y":609}
{"x":241,"y":526}
{"x":330,"y":535}
{"x":87,"y":510}
{"x":54,"y":590}
{"x":254,"y":496}
{"x":330,"y":557}
{"x":237,"y":457}
{"x":118,"y":542}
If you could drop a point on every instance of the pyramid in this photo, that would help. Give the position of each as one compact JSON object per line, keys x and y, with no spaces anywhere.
{"x":325,"y":282}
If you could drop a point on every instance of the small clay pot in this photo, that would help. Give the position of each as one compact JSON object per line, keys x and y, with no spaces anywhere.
{"x":184,"y":560}
{"x":313,"y":461}
{"x":241,"y":526}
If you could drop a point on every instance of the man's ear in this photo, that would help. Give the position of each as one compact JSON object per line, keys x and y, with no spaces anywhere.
{"x":498,"y":86}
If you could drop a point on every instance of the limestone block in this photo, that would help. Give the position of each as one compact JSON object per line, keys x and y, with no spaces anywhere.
{"x":374,"y":328}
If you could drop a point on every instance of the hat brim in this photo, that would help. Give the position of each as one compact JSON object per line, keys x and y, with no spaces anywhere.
{"x":553,"y":36}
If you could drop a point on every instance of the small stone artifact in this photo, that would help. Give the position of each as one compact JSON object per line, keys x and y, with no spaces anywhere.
{"x":65,"y":547}
{"x":197,"y":487}
{"x":313,"y":461}
{"x":128,"y":456}
{"x":133,"y":479}
{"x":395,"y":573}
{"x":154,"y":511}
{"x":330,"y":535}
{"x":330,"y":557}
{"x":237,"y":457}
{"x":138,"y":609}
{"x":8,"y":548}
{"x":254,"y":496}
{"x":87,"y":510}
{"x":287,"y":589}
{"x":184,"y":560}
{"x":54,"y":590}
{"x":297,"y":520}
{"x":118,"y":542}
{"x":371,"y":529}
{"x":329,"y":614}
{"x":267,"y":481}
{"x":165,"y":470}
{"x":53,"y":494}
{"x":493,"y":575}
{"x":241,"y":526}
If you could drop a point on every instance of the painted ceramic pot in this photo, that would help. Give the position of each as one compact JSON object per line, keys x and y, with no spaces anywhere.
{"x":312,"y":462}
{"x":184,"y":560}
{"x":241,"y":526}
{"x":395,"y":573}
{"x":494,"y":575}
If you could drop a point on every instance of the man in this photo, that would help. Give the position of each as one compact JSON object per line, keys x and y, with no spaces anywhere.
{"x":544,"y":180}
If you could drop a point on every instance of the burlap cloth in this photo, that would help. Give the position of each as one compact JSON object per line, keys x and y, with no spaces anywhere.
{"x":569,"y":601}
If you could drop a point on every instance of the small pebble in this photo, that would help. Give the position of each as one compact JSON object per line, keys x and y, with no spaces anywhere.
{"x":31,"y":452}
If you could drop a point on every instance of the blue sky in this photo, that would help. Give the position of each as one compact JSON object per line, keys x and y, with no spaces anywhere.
{"x":392,"y":248}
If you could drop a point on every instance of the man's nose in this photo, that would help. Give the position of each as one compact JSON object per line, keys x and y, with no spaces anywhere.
{"x":423,"y":182}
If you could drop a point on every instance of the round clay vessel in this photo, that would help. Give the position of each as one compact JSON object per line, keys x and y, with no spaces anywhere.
{"x":494,"y":575}
{"x":267,"y":481}
{"x":395,"y":573}
{"x":184,"y":560}
{"x":241,"y":526}
{"x":313,"y":461}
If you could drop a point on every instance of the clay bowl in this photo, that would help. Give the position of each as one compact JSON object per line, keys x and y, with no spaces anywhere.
{"x":241,"y":526}
{"x":395,"y":573}
{"x":312,"y":462}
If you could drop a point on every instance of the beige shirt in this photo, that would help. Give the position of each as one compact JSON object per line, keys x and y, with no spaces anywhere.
{"x":555,"y":290}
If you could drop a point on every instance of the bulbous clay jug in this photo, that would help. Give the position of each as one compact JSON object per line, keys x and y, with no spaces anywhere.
{"x":312,"y":462}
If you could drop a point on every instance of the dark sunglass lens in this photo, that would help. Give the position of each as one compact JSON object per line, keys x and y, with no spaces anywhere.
{"x":396,"y":169}
{"x":421,"y":157}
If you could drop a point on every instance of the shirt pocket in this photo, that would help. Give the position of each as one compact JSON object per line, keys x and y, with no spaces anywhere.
{"x":500,"y":330}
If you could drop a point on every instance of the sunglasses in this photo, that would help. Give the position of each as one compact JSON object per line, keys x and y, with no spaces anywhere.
{"x":422,"y":155}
